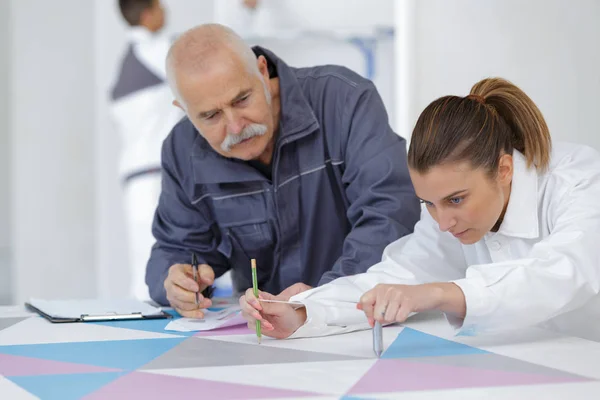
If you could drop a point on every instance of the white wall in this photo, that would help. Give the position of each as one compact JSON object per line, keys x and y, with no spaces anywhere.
{"x":315,"y":32}
{"x":550,"y":48}
{"x":4,"y":153}
{"x":52,"y":125}
{"x":280,"y":16}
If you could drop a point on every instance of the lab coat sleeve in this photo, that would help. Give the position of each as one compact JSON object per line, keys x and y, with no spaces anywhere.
{"x":560,"y":274}
{"x":427,"y":255}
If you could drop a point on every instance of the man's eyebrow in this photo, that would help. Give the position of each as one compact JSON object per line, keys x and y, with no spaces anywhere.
{"x":241,"y":95}
{"x":204,"y":114}
{"x":238,"y":97}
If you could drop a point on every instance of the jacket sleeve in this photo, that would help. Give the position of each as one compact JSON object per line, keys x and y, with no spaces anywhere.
{"x":560,"y":273}
{"x":179,"y":228}
{"x":383,"y":206}
{"x":427,"y":255}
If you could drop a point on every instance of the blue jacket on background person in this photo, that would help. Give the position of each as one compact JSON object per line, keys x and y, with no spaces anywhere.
{"x":336,"y":194}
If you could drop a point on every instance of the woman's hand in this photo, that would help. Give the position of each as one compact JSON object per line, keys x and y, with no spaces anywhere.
{"x":395,"y":303}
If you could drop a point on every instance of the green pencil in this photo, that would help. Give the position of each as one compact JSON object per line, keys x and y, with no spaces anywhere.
{"x":255,"y":287}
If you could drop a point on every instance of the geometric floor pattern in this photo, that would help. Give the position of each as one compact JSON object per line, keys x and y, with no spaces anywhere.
{"x":139,"y":359}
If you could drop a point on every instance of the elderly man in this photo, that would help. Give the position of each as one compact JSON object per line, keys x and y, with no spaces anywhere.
{"x":296,"y":168}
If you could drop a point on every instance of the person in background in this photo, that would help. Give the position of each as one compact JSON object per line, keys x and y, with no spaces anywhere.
{"x":509,"y":239}
{"x":143,"y":116}
{"x":297,"y":168}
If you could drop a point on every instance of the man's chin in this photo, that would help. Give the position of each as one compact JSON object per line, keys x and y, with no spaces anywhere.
{"x":244,"y":155}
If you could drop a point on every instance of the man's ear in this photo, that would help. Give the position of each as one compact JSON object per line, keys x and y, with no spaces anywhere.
{"x":263,"y":68}
{"x":178,"y":104}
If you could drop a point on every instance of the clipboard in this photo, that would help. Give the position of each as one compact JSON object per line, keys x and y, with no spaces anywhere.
{"x":108,"y":316}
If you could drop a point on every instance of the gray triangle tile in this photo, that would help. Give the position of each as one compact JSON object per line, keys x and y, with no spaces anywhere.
{"x":8,"y":322}
{"x":494,"y":362}
{"x":198,"y":352}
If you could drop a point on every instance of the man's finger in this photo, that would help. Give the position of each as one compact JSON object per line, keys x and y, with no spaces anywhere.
{"x":184,"y":281}
{"x":178,"y":272}
{"x":184,"y":295}
{"x":206,"y":275}
{"x":190,"y":314}
{"x":183,"y":305}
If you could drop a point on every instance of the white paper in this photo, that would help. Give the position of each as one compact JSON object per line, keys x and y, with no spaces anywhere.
{"x":77,"y":308}
{"x":229,"y":316}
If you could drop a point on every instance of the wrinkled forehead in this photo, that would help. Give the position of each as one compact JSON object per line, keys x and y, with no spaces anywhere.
{"x":213,"y":85}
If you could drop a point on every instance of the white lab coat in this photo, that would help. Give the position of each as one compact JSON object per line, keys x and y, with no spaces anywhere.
{"x":542,"y":267}
{"x":143,"y":115}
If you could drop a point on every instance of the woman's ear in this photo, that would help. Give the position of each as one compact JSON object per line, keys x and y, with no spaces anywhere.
{"x":505,"y":169}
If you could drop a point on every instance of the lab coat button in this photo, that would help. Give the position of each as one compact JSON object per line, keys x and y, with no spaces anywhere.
{"x":495,"y":245}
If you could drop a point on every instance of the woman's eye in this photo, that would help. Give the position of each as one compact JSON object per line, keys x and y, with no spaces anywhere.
{"x":427,"y":203}
{"x":456,"y":200}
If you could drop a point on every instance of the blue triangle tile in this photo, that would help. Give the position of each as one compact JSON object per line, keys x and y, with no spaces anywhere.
{"x":65,"y":387}
{"x":121,"y":354}
{"x":148,"y":325}
{"x":413,"y":343}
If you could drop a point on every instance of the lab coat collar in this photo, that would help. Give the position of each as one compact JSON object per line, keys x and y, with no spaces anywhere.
{"x":521,"y":217}
{"x":139,"y":34}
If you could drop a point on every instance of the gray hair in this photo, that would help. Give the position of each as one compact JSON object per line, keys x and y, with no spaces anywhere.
{"x":194,"y":49}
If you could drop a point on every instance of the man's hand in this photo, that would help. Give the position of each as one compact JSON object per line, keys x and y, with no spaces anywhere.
{"x":181,"y":289}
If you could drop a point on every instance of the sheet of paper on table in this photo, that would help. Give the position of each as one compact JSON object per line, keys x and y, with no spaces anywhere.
{"x":213,"y":319}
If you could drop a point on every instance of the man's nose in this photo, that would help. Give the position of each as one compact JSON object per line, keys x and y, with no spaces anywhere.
{"x":235,"y":124}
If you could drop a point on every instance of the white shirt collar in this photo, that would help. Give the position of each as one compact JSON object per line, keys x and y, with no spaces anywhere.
{"x":521,"y":217}
{"x":139,"y":34}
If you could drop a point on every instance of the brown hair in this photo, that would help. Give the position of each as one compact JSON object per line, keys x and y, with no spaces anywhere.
{"x":132,"y":10}
{"x":495,"y":118}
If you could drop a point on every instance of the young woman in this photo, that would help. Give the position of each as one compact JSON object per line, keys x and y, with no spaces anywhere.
{"x":510,"y":236}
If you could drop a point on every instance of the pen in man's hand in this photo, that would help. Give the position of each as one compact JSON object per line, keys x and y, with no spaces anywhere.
{"x":195,"y":269}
